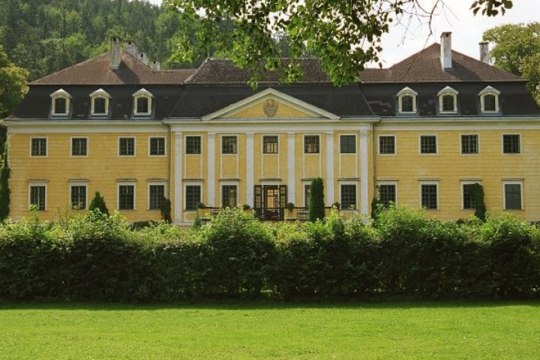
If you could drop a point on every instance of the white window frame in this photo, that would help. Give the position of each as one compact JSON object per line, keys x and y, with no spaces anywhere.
{"x":231,"y":183}
{"x":393,"y":183}
{"x":306,"y":200}
{"x":46,"y":147}
{"x":379,"y":144}
{"x":134,"y":146}
{"x":221,"y":145}
{"x":150,"y":145}
{"x":420,"y":145}
{"x":185,"y":145}
{"x":38,"y":183}
{"x":436,"y":183}
{"x":60,"y":94}
{"x":520,"y":144}
{"x":463,"y":183}
{"x":489,"y":90}
{"x":513,"y":182}
{"x":262,"y":144}
{"x":447,"y":91}
{"x":192,"y":183}
{"x":154,"y":183}
{"x":72,"y":184}
{"x":99,"y":94}
{"x":128,"y":183}
{"x":355,"y":183}
{"x":356,"y":143}
{"x":142,"y":93}
{"x":304,"y":145}
{"x":71,"y":146}
{"x":461,"y":144}
{"x":406,"y":91}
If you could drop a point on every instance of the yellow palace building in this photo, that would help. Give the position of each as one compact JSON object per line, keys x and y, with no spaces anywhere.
{"x":419,"y":134}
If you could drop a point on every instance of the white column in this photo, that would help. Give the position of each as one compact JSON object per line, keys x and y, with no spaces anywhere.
{"x":250,"y":150}
{"x":178,"y":191}
{"x":211,"y":169}
{"x":291,"y":177}
{"x":329,"y":168}
{"x":364,"y":178}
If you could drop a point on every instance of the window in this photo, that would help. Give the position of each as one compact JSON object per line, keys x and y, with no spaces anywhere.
{"x":407,"y":101}
{"x":142,"y":102}
{"x":511,"y":144}
{"x":468,"y":195}
{"x":156,"y":195}
{"x":447,"y":100}
{"x":307,"y":193}
{"x":39,"y":146}
{"x":387,"y":145}
{"x":100,"y":102}
{"x":387,"y":194}
{"x":79,"y":147}
{"x":60,"y":102}
{"x":311,"y":144}
{"x":348,"y":197}
{"x":270,"y":144}
{"x":193,"y":144}
{"x":38,"y":197}
{"x":126,"y":197}
{"x":157,"y":146}
{"x":347,"y":144}
{"x":428,"y":144}
{"x":513,"y":196}
{"x":469,"y":144}
{"x":429,"y":196}
{"x":229,"y":145}
{"x":126,"y":146}
{"x":193,"y":196}
{"x":78,"y":197}
{"x":489,"y":100}
{"x":228,"y":196}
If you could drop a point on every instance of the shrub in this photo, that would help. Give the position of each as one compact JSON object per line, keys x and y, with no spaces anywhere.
{"x":165,"y":210}
{"x":4,"y":185}
{"x":316,"y":200}
{"x":98,"y":203}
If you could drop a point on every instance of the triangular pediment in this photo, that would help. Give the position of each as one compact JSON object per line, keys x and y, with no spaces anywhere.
{"x":270,"y":104}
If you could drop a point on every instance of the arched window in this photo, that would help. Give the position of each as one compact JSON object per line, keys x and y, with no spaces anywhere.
{"x":100,"y":102}
{"x":60,"y":103}
{"x":447,"y":100}
{"x":407,"y":101}
{"x":142,"y":102}
{"x":489,"y":100}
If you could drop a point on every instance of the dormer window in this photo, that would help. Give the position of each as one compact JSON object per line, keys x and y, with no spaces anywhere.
{"x":489,"y":100}
{"x":447,"y":100}
{"x":407,"y":101}
{"x":60,"y":101}
{"x":100,"y":102}
{"x":142,"y":102}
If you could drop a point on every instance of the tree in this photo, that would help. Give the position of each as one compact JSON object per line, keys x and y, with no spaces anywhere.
{"x":98,"y":203}
{"x":316,"y":200}
{"x":478,"y":200}
{"x":344,"y":35}
{"x":165,"y":210}
{"x":4,"y":185}
{"x":12,"y":84}
{"x":517,"y":50}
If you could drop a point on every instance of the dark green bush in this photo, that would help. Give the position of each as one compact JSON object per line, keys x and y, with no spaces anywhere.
{"x":316,"y":200}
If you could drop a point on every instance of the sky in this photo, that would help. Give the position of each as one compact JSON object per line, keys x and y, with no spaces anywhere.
{"x":455,"y":17}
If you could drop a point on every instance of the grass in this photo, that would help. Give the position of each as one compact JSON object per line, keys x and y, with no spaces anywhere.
{"x":418,"y":330}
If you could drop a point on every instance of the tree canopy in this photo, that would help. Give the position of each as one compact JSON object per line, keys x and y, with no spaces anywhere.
{"x":517,"y":50}
{"x":12,"y":84}
{"x":344,"y":35}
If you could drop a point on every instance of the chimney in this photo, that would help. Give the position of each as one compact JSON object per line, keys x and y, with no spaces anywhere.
{"x":131,"y":48}
{"x":446,"y":50}
{"x":484,"y":52}
{"x":154,"y":65}
{"x":143,"y":58}
{"x":116,"y":56}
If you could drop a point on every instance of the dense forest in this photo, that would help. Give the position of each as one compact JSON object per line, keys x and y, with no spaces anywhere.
{"x":44,"y":36}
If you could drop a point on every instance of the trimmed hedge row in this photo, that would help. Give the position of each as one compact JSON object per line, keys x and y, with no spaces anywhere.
{"x":401,"y":254}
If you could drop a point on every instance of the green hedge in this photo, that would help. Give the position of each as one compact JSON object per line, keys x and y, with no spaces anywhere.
{"x":403,"y":254}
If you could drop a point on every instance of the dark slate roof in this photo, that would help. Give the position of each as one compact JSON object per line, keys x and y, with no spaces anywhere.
{"x":97,"y":71}
{"x":514,"y":99}
{"x":37,"y":103}
{"x":425,"y":66}
{"x":199,"y":100}
{"x":214,"y":71}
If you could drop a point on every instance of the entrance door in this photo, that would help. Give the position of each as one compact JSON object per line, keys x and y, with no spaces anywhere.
{"x":270,"y":201}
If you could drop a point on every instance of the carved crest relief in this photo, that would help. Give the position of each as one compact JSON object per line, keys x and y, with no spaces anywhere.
{"x":270,"y":107}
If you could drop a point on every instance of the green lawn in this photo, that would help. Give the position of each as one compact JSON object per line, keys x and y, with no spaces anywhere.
{"x":423,"y":330}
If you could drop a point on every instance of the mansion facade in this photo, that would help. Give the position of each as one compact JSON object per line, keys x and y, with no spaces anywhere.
{"x":419,"y":134}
